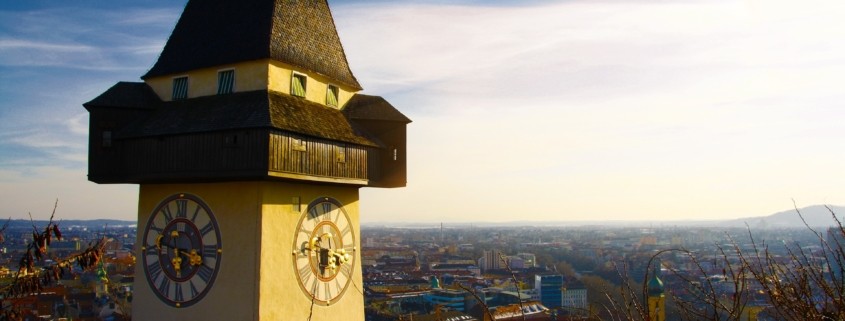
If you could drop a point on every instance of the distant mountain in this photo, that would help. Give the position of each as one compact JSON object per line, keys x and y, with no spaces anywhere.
{"x":816,"y":215}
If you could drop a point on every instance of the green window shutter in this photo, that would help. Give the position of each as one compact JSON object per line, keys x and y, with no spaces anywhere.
{"x":331,"y":96}
{"x":180,"y":88}
{"x":225,"y":82}
{"x":297,"y":87}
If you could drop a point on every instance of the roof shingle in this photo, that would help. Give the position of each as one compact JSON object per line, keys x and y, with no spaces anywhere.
{"x":219,"y":32}
{"x":373,"y":108}
{"x":126,"y":95}
{"x":253,"y":109}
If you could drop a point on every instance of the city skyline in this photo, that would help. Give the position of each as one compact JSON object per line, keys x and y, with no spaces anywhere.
{"x":541,"y":110}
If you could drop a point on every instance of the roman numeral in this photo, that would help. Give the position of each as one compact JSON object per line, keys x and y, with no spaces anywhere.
{"x":328,"y":291}
{"x":168,"y":216}
{"x":182,"y":208}
{"x":313,"y":287}
{"x":327,"y":208}
{"x":305,"y":273}
{"x":194,"y":291}
{"x":346,"y":231}
{"x":164,"y":287}
{"x":196,"y":212}
{"x":304,"y":230}
{"x":154,"y":269}
{"x":207,"y":228}
{"x":338,"y":285}
{"x":178,"y":297}
{"x":209,"y":251}
{"x":346,"y":270}
{"x":156,"y":228}
{"x":205,"y":273}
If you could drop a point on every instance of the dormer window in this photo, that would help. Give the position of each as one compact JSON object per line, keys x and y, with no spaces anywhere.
{"x":298,"y":85}
{"x":180,"y":88}
{"x":331,"y":96}
{"x":225,"y":82}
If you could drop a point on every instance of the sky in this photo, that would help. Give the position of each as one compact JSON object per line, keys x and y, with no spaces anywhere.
{"x":522,"y":110}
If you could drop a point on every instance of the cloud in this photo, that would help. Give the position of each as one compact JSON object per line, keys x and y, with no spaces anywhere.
{"x":78,"y":124}
{"x":619,"y":109}
{"x":84,"y":38}
{"x":13,"y":44}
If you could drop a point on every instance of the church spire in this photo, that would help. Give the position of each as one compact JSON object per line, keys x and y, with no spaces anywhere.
{"x":300,"y":33}
{"x":655,"y":284}
{"x":656,"y":296}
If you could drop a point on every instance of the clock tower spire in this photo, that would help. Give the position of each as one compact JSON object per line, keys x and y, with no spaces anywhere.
{"x":249,"y":140}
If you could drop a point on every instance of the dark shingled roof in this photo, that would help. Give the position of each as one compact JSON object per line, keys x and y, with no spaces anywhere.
{"x":219,"y":32}
{"x":126,"y":95}
{"x":373,"y":108}
{"x":253,"y":109}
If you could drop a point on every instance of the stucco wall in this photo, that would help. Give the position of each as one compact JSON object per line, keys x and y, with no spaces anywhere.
{"x":256,"y":280}
{"x":251,"y":75}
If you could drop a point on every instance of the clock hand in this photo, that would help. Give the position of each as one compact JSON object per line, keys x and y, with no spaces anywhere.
{"x":193,"y":256}
{"x":334,"y":258}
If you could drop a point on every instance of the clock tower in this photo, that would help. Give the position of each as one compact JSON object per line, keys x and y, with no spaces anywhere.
{"x":249,"y":140}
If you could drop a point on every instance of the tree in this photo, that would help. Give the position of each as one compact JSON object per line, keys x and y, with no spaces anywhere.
{"x":786,"y":281}
{"x":30,"y":279}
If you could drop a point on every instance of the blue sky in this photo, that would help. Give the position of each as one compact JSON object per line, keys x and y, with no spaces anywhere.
{"x":543,"y":110}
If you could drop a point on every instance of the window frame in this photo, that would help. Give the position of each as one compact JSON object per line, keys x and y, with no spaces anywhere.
{"x":186,"y":87}
{"x":330,"y":92}
{"x":293,"y":78}
{"x":232,"y":83}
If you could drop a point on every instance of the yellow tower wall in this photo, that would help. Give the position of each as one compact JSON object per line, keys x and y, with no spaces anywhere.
{"x":249,"y":76}
{"x":256,"y":279}
{"x":317,"y":85}
{"x":280,"y":295}
{"x":262,"y":74}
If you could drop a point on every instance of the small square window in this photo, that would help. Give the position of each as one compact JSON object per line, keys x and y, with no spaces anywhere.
{"x":298,"y":85}
{"x":230,"y":141}
{"x":106,"y":138}
{"x":225,"y":82}
{"x":331,"y":96}
{"x":180,"y":88}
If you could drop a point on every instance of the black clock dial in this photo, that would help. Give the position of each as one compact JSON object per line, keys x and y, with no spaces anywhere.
{"x":324,"y":251}
{"x":181,"y":250}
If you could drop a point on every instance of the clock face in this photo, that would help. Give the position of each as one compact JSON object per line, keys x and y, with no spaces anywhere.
{"x":181,"y":250}
{"x":324,"y":251}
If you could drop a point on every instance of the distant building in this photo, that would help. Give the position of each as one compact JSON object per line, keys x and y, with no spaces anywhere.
{"x":466,"y":247}
{"x":529,"y":259}
{"x":455,"y":268}
{"x":452,"y":299}
{"x":492,"y":260}
{"x":574,"y":298}
{"x":549,"y":287}
{"x":439,"y":315}
{"x":517,"y":312}
{"x":516,"y":263}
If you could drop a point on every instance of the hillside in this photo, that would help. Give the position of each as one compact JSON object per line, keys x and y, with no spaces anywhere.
{"x":816,"y":215}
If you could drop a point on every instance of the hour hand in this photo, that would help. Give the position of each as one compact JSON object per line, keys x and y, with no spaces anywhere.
{"x":158,"y":241}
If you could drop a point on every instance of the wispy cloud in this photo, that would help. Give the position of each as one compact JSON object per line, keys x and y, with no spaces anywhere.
{"x":19,"y":44}
{"x":84,"y":38}
{"x":605,"y":99}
